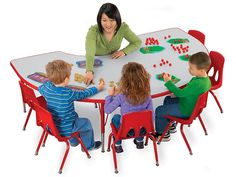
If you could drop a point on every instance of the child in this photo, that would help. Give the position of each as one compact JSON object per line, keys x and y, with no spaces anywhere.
{"x":134,"y":96}
{"x":184,"y":102}
{"x":60,"y":102}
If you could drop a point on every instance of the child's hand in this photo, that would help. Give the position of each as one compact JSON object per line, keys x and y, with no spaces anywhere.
{"x":101,"y":84}
{"x":166,"y":77}
{"x":111,"y":91}
{"x":117,"y":91}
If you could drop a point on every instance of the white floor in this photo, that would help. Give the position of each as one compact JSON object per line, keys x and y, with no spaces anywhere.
{"x":29,"y":28}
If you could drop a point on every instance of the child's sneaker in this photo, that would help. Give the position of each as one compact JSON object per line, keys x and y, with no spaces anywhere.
{"x":118,"y":149}
{"x":97,"y":145}
{"x":166,"y":137}
{"x":139,"y":144}
{"x":172,"y":128}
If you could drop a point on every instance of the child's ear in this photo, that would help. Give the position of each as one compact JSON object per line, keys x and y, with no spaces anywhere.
{"x":203,"y":71}
{"x":67,"y":79}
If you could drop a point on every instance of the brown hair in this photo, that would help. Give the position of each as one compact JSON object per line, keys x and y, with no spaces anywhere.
{"x":135,"y":83}
{"x":201,"y":60}
{"x":57,"y":71}
{"x":112,"y":12}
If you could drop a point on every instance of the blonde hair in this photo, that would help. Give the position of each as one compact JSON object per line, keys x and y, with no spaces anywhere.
{"x":58,"y":70}
{"x":135,"y":83}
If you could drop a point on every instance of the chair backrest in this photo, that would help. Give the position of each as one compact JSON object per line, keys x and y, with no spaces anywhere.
{"x":217,"y":65}
{"x":136,"y":121}
{"x":28,"y":94}
{"x":45,"y":120}
{"x":198,"y":35}
{"x":200,"y":105}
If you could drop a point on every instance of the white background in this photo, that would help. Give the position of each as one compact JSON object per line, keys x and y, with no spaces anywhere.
{"x":30,"y":27}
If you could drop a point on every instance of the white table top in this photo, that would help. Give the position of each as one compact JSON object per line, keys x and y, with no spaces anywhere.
{"x":111,"y":69}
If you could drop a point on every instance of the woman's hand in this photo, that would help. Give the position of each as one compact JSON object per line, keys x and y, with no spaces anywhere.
{"x":117,"y":54}
{"x":89,"y":78}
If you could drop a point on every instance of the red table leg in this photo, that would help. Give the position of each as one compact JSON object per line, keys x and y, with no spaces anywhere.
{"x":102,"y":114}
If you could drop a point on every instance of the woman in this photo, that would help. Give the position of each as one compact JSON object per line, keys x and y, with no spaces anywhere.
{"x":106,"y":37}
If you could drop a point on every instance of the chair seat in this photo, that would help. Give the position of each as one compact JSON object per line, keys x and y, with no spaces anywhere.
{"x":135,"y":121}
{"x":45,"y":120}
{"x":200,"y":105}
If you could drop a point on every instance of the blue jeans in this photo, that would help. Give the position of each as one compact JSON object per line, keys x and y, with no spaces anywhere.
{"x":169,"y":107}
{"x":84,"y":127}
{"x":116,"y":120}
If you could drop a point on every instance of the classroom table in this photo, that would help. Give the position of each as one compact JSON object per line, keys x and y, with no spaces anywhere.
{"x":161,"y":51}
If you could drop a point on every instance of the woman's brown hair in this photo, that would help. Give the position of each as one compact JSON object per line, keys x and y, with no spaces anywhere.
{"x":135,"y":83}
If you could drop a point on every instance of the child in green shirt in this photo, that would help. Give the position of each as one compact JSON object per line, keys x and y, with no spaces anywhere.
{"x":183,"y":104}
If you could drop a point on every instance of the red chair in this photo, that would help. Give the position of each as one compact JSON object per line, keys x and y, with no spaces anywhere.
{"x":135,"y":121}
{"x":45,"y":120}
{"x":198,"y":35}
{"x":29,"y":97}
{"x":200,"y":105}
{"x":217,"y":65}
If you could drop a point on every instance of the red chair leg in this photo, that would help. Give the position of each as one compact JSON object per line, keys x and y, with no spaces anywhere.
{"x":40,"y":142}
{"x":45,"y":138}
{"x":218,"y":103}
{"x":203,"y":126}
{"x":114,"y":157}
{"x":109,"y":142}
{"x":83,"y":146}
{"x":185,"y":139}
{"x":155,"y":149}
{"x":27,"y":119}
{"x":164,"y":132}
{"x":64,"y":158}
